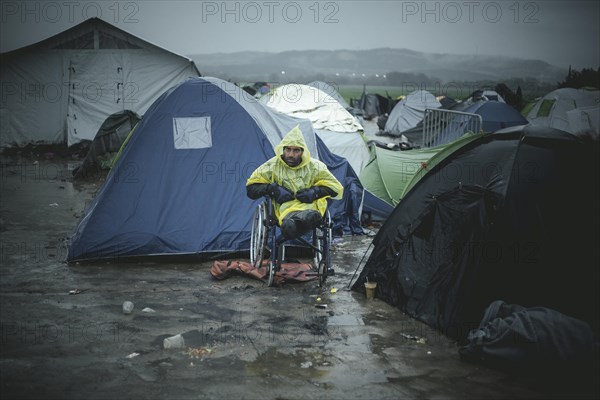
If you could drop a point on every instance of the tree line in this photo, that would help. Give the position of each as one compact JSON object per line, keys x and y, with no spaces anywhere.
{"x":586,"y":78}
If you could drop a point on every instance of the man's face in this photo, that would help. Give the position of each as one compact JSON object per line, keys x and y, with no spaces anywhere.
{"x":292,"y":155}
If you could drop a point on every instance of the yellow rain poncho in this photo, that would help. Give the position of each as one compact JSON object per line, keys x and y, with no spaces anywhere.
{"x":305,"y":175}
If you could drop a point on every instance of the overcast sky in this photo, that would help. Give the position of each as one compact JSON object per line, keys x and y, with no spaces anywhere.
{"x":559,"y":32}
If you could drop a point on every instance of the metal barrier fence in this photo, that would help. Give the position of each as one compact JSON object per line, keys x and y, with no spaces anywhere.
{"x":443,"y":126}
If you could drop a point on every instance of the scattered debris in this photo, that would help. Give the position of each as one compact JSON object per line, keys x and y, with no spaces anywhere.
{"x":133,"y":355}
{"x":333,"y":290}
{"x":306,"y":364}
{"x":415,"y":338}
{"x":148,"y":310}
{"x":198,"y":352}
{"x":321,"y":305}
{"x":127,"y":307}
{"x":174,"y":342}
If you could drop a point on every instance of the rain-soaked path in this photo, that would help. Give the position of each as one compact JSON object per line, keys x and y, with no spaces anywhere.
{"x":64,"y":335}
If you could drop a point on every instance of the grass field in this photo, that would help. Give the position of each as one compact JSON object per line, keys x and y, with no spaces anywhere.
{"x":454,"y":91}
{"x":355,"y":91}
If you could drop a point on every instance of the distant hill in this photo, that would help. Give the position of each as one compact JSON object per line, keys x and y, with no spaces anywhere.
{"x":253,"y":66}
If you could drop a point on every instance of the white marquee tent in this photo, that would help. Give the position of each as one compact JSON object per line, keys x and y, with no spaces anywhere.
{"x":61,"y":89}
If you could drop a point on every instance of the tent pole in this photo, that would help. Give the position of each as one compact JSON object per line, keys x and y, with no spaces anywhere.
{"x":360,"y":262}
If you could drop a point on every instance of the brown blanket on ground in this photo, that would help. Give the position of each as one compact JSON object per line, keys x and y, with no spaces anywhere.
{"x":289,"y":272}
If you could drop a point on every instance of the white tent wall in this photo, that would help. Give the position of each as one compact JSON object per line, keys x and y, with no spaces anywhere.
{"x":94,"y":78}
{"x":141,"y":86}
{"x":586,"y":119}
{"x":60,"y":90}
{"x":572,"y":110}
{"x":108,"y":82}
{"x":350,"y":146}
{"x":33,"y":99}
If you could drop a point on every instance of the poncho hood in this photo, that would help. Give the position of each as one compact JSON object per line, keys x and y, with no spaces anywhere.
{"x":294,"y":138}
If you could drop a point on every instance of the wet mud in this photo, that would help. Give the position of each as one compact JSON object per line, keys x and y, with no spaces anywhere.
{"x":64,"y":334}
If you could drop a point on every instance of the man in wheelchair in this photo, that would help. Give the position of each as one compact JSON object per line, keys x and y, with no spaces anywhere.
{"x":298,"y":184}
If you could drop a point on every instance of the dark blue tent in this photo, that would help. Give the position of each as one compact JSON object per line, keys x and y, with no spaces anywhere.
{"x":179,"y":184}
{"x":496,"y":115}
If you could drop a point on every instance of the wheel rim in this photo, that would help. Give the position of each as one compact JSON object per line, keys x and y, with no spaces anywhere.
{"x":258,"y":236}
{"x":322,"y":271}
{"x":317,"y":242}
{"x":270,"y":274}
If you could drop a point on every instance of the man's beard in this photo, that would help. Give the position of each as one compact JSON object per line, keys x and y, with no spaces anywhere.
{"x":292,"y":161}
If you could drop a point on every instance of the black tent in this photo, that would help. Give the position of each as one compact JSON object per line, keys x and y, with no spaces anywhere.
{"x":511,"y":216}
{"x":107,"y":142}
{"x":373,"y":105}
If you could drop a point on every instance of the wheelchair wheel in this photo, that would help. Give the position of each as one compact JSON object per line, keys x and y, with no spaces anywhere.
{"x":258,"y":238}
{"x":317,"y":241}
{"x":274,"y":263}
{"x":322,"y":239}
{"x":322,"y":271}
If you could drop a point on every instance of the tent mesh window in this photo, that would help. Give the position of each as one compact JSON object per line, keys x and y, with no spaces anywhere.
{"x":85,"y":41}
{"x":545,"y":108}
{"x":108,"y":41}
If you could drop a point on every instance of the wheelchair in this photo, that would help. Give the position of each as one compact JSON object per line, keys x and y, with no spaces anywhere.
{"x":264,"y":238}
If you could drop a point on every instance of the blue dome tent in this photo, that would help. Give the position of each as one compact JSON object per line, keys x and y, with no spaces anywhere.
{"x":178,"y":186}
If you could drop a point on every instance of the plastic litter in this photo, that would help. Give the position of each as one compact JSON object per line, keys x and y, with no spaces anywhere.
{"x":174,"y":342}
{"x":127,"y":307}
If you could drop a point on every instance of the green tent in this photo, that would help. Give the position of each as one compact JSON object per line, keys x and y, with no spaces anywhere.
{"x":390,"y":174}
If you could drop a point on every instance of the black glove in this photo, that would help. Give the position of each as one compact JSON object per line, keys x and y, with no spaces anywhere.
{"x":279,"y":193}
{"x":308,"y":195}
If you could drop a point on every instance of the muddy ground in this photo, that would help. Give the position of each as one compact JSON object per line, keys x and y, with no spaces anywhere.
{"x":64,"y":335}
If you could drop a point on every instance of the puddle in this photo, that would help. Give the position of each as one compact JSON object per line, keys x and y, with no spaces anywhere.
{"x":299,"y":365}
{"x":345,"y":320}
